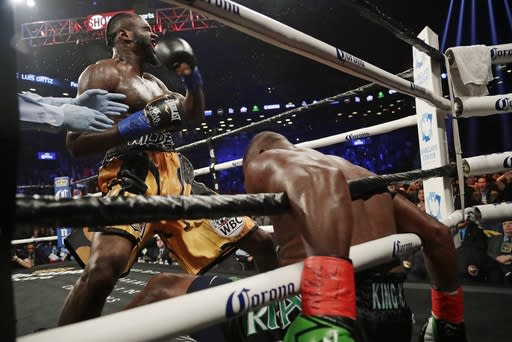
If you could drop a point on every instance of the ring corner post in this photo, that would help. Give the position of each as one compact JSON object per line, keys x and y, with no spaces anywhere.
{"x":432,"y":136}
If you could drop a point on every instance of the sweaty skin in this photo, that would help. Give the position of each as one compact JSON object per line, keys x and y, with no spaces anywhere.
{"x":123,"y":73}
{"x":316,"y":187}
{"x":110,"y":253}
{"x":319,"y":197}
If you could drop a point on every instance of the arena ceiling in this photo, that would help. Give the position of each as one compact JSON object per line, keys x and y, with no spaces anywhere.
{"x":240,"y":68}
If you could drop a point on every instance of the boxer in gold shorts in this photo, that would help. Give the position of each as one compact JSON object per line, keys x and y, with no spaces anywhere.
{"x":139,"y":158}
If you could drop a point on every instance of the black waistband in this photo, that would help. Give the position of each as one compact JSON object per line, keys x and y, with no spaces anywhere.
{"x":156,"y":141}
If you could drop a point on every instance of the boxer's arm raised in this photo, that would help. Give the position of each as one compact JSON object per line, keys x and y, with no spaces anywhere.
{"x":167,"y":112}
{"x":162,"y":113}
{"x":178,"y":56}
{"x":193,"y":102}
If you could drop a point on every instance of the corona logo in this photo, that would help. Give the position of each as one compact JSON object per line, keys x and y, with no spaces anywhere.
{"x":357,"y":136}
{"x":503,"y":104}
{"x":507,"y":162}
{"x":245,"y":299}
{"x":495,"y":53}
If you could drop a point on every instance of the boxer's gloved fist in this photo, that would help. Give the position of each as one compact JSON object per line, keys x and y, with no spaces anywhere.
{"x":436,"y":330}
{"x":177,"y":55}
{"x":163,"y":113}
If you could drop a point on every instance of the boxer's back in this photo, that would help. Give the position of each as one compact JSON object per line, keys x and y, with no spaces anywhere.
{"x":374,"y":217}
{"x":282,"y":170}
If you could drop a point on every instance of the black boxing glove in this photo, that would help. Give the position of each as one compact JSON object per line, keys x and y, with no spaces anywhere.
{"x":163,"y":113}
{"x":177,"y":54}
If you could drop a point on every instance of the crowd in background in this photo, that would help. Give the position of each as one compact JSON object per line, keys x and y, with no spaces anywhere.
{"x":485,"y":250}
{"x":39,"y":251}
{"x":373,"y":153}
{"x":485,"y":255}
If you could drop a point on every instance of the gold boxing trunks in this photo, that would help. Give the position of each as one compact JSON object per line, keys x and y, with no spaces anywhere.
{"x":196,"y":244}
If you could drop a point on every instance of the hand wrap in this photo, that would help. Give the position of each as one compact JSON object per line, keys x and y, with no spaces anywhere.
{"x":194,"y":80}
{"x":163,"y":113}
{"x":328,"y":287}
{"x":448,"y":306}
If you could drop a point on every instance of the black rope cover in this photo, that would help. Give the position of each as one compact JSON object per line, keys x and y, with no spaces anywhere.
{"x":87,"y":211}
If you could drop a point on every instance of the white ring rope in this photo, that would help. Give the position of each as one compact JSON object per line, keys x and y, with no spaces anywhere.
{"x":331,"y":140}
{"x":501,"y":54}
{"x":478,"y":106}
{"x":494,"y":213}
{"x":303,"y":108}
{"x":478,"y":165}
{"x":44,"y":238}
{"x":282,"y":36}
{"x":491,"y":163}
{"x":184,"y":314}
{"x":187,"y":311}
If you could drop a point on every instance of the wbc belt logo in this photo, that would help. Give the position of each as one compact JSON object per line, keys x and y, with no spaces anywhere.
{"x":228,"y":226}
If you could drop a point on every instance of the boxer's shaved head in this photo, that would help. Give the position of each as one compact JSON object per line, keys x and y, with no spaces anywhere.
{"x":118,"y":21}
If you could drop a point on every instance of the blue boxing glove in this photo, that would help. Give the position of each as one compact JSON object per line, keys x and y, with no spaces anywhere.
{"x":177,"y":55}
{"x":163,"y":113}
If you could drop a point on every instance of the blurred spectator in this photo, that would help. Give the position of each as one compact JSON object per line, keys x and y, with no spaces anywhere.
{"x":262,"y":220}
{"x":500,"y":249}
{"x":482,"y":186}
{"x":469,"y":190}
{"x":245,"y":260}
{"x":42,"y":253}
{"x":476,"y":199}
{"x":420,"y":199}
{"x":470,"y":182}
{"x":24,"y":256}
{"x":77,"y":193}
{"x":159,"y":253}
{"x":475,"y":265}
{"x":43,"y":249}
{"x":494,"y":195}
{"x":504,"y":185}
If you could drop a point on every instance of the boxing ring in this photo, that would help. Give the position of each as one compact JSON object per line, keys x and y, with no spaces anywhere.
{"x":187,"y":311}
